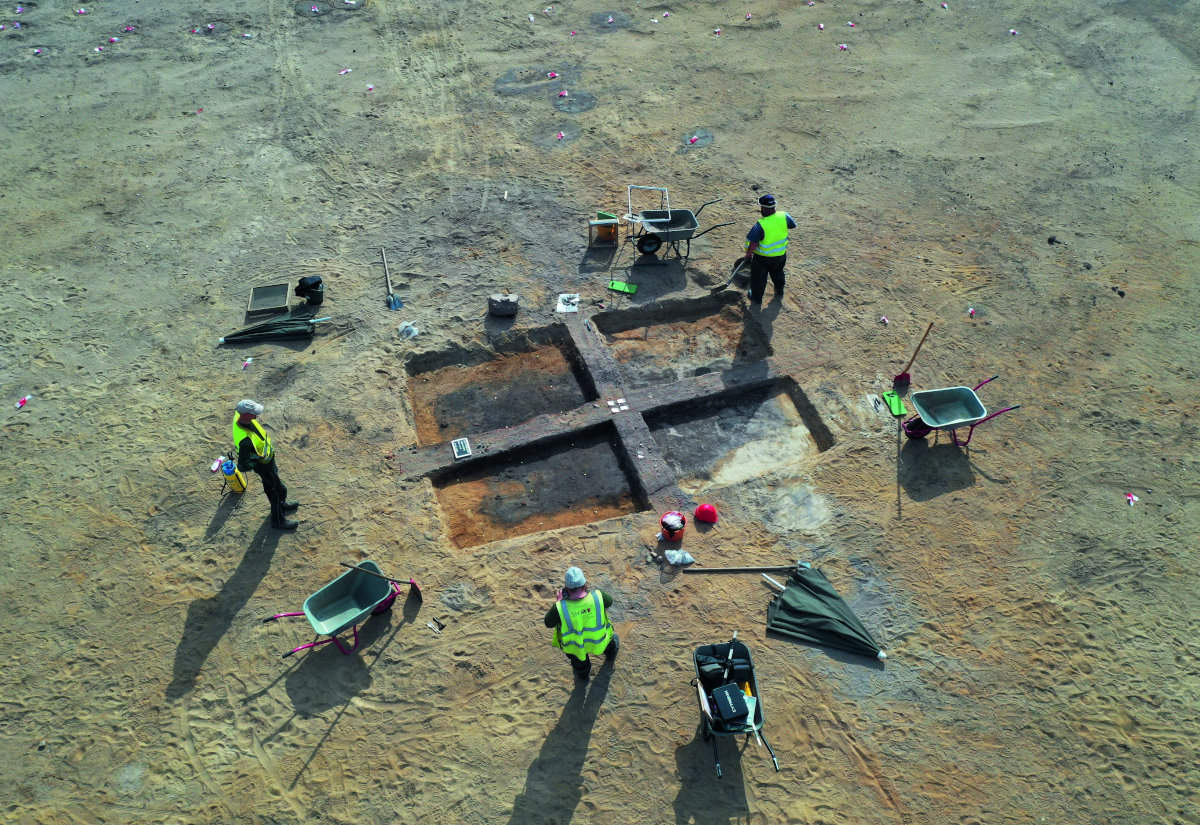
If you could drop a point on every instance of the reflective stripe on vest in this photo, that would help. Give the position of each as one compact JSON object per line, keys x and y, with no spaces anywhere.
{"x":257,"y":435}
{"x":775,"y":236}
{"x":583,"y":627}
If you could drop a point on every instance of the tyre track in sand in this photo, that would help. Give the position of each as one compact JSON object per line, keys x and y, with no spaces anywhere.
{"x":314,"y":133}
{"x":429,"y":64}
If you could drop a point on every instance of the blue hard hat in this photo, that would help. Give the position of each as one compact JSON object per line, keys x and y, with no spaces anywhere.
{"x":574,"y":578}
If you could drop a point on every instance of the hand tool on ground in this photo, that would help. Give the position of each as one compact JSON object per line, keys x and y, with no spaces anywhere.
{"x":900,"y":382}
{"x":416,"y":589}
{"x":393,"y":301}
{"x":737,"y":269}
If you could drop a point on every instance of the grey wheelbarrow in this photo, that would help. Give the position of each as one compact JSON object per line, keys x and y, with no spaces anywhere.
{"x":652,"y":228}
{"x":347,"y":601}
{"x":950,"y":408}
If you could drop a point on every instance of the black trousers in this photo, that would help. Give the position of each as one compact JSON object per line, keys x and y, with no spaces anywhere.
{"x":760,"y":268}
{"x":275,"y":490}
{"x":583,"y":667}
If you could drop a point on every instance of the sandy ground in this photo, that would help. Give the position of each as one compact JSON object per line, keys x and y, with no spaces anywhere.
{"x":1042,"y":632}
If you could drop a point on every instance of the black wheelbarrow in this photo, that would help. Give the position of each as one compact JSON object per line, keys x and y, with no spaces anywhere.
{"x":651,"y":229}
{"x":727,"y":691}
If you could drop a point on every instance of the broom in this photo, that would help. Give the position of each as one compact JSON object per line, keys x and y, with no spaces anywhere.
{"x":900,"y":382}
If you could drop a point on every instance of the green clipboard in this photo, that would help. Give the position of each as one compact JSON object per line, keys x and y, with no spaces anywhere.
{"x":621,"y":286}
{"x":895,"y":403}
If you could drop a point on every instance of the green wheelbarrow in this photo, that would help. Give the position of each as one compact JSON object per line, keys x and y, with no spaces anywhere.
{"x":348,"y":600}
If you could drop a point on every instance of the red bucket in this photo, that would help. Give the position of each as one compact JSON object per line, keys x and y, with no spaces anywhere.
{"x":668,"y":533}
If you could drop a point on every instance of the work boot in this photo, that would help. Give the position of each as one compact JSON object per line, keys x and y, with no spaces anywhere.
{"x":289,"y":506}
{"x":284,"y":524}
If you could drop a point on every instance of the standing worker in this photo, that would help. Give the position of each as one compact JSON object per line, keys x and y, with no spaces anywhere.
{"x":766,"y":249}
{"x":254,"y":452}
{"x":581,"y":625}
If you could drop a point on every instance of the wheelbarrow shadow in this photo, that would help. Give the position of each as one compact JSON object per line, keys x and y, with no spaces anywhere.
{"x":326,"y":677}
{"x":927,"y":470}
{"x":554,"y":781}
{"x":703,"y":799}
{"x":331,"y":685}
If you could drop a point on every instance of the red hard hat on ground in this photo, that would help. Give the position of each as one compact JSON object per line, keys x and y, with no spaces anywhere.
{"x":706,"y":513}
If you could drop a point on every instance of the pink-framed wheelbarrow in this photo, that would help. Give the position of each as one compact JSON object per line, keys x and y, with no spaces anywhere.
{"x":949,"y":408}
{"x":351,"y":598}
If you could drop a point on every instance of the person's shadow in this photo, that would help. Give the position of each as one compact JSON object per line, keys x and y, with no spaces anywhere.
{"x":553,"y":784}
{"x":767,"y":315}
{"x":703,"y":799}
{"x":209,"y":619}
{"x":228,"y":504}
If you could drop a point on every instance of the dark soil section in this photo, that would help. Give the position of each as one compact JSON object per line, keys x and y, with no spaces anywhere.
{"x":564,"y":483}
{"x":694,"y":438}
{"x":666,"y":350}
{"x":457,"y":401}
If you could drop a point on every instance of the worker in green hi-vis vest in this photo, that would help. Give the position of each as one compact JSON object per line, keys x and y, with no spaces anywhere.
{"x":581,"y":624}
{"x":766,"y":249}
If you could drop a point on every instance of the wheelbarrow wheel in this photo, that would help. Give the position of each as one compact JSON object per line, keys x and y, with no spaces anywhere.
{"x":649,"y":244}
{"x":916,"y":427}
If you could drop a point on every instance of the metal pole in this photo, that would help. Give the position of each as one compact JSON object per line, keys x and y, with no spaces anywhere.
{"x":781,"y":569}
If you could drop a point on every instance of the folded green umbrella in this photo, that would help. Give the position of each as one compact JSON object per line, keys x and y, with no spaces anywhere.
{"x":274,"y":330}
{"x":810,"y":610}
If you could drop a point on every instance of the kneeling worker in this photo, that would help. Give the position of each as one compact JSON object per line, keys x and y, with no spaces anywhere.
{"x":581,"y":625}
{"x":254,"y":452}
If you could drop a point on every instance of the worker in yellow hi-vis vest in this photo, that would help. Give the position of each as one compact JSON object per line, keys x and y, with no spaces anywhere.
{"x":581,"y":624}
{"x":254,"y":451}
{"x":766,"y":249}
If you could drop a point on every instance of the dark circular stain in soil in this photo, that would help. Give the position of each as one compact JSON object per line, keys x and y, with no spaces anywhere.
{"x":575,"y":102}
{"x":703,"y":137}
{"x":547,"y":136}
{"x":522,"y":81}
{"x":620,"y":20}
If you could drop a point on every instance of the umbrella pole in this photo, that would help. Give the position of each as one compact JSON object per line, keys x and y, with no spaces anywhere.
{"x":779,"y":569}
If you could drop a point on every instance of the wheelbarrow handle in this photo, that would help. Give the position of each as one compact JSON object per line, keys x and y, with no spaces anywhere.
{"x":981,"y":383}
{"x":411,"y":583}
{"x":711,"y":228}
{"x":709,"y":203}
{"x":998,"y":412}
